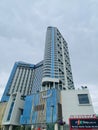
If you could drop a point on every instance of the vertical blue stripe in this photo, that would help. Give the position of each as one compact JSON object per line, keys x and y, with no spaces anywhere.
{"x":52,"y":53}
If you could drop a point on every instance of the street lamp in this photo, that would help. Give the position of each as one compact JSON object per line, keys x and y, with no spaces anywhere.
{"x":52,"y":107}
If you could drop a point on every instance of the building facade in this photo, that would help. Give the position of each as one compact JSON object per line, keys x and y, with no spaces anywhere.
{"x":14,"y":108}
{"x":46,"y":107}
{"x":25,"y":78}
{"x":44,"y":93}
{"x":43,"y":107}
{"x":79,"y":103}
{"x":56,"y":66}
{"x":53,"y":72}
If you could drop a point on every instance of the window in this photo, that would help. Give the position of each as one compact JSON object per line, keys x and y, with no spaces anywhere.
{"x":59,"y":111}
{"x":83,"y":98}
{"x":10,"y":111}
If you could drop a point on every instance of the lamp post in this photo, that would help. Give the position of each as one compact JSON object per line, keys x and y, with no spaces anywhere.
{"x":52,"y":107}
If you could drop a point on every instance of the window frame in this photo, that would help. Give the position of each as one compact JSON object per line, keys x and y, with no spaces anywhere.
{"x":83,"y":99}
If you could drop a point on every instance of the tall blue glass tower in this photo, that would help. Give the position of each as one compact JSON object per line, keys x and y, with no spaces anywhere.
{"x":56,"y":67}
{"x":53,"y":72}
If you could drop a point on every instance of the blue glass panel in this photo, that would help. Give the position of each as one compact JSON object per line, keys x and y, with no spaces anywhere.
{"x":25,"y":118}
{"x":29,"y":114}
{"x":51,"y":106}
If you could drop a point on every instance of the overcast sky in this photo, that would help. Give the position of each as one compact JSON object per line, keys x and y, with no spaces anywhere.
{"x":23,"y":25}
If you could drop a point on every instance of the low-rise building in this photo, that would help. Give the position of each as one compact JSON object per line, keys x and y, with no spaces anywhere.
{"x":13,"y":111}
{"x":76,"y":103}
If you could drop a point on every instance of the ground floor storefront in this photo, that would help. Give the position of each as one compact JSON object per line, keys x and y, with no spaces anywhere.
{"x":83,"y":123}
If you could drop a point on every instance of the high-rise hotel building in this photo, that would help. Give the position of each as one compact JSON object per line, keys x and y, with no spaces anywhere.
{"x":29,"y":106}
{"x":53,"y":72}
{"x":56,"y":66}
{"x":25,"y":78}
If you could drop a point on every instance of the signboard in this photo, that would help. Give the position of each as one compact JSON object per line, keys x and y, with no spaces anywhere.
{"x":86,"y":123}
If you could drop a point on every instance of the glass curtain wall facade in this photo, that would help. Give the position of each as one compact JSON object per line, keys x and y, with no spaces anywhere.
{"x":42,"y":107}
{"x":37,"y":78}
{"x":56,"y":67}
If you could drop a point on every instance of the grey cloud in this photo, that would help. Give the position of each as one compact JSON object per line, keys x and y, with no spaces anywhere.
{"x":23,"y":26}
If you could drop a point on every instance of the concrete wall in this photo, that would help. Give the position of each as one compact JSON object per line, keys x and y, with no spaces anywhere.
{"x":71,"y":106}
{"x":16,"y":110}
{"x":2,"y":110}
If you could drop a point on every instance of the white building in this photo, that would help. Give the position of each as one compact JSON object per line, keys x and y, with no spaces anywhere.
{"x":75,"y":103}
{"x":13,"y":111}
